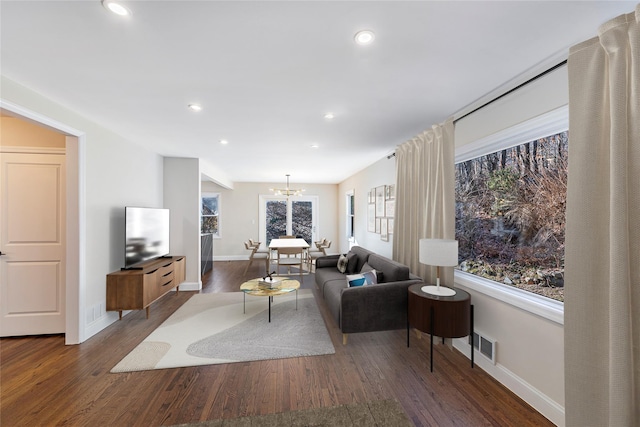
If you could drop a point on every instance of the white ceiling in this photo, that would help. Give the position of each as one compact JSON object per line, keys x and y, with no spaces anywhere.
{"x":265,"y":72}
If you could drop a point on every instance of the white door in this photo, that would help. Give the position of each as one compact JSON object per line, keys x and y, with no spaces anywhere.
{"x":32,"y":242}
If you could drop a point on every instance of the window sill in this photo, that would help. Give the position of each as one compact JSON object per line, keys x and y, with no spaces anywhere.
{"x":536,"y":304}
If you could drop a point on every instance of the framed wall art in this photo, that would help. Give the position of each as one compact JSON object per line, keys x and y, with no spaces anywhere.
{"x":371,"y":217}
{"x":381,"y":209}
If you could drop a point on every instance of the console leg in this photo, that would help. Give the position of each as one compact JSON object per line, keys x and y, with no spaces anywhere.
{"x":431,"y":331}
{"x":147,"y":312}
{"x":471,"y":335}
{"x":344,"y":339}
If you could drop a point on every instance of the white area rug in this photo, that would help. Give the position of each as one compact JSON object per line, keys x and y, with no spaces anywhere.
{"x":212,"y":328}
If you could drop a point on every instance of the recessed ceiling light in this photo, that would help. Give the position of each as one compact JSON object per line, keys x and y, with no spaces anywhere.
{"x":315,"y":146}
{"x":364,"y":37}
{"x":329,"y":116}
{"x":115,"y":7}
{"x":195,"y":107}
{"x":224,"y":142}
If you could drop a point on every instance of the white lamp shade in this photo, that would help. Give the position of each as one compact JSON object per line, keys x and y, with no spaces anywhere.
{"x":439,"y":252}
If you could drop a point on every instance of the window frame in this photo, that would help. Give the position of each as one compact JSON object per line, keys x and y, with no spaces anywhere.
{"x":550,"y":123}
{"x":208,"y":194}
{"x":350,"y":218}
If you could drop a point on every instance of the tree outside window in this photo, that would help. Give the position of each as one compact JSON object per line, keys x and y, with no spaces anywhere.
{"x":510,"y":215}
{"x":210,"y":214}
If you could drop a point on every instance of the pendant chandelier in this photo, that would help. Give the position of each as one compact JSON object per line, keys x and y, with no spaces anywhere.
{"x":287,"y":191}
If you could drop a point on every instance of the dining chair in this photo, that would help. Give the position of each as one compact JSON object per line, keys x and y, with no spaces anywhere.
{"x":289,"y":237}
{"x":256,"y":255}
{"x":284,"y":258}
{"x":319,"y":251}
{"x":256,"y":244}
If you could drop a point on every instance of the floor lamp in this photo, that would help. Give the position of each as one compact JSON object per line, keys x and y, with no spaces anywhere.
{"x":439,"y":253}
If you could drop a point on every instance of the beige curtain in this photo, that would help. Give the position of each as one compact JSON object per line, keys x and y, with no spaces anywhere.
{"x":425,"y":197}
{"x":602,"y":283}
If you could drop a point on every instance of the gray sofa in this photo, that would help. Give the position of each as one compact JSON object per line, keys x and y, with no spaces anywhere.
{"x":377,"y":307}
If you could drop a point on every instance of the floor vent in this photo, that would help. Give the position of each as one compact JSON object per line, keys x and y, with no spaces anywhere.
{"x":486,"y":346}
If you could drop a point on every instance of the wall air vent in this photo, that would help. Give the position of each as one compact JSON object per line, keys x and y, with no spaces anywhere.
{"x":486,"y":346}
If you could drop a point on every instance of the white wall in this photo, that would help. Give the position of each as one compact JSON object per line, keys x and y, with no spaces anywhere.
{"x":530,"y":349}
{"x":182,"y":198}
{"x":107,"y":191}
{"x":239,"y":214}
{"x":383,"y":172}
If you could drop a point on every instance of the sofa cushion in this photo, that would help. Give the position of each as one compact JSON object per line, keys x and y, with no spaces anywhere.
{"x":352,"y":263}
{"x":362,"y":255}
{"x":393,"y":271}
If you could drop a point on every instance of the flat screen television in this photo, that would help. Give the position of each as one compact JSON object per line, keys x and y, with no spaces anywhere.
{"x":146,"y":235}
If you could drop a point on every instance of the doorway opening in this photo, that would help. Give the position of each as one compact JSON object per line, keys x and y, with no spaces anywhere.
{"x":74,"y":148}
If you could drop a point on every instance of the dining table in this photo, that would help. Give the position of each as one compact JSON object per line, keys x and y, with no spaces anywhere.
{"x":288,"y":243}
{"x":276,"y":244}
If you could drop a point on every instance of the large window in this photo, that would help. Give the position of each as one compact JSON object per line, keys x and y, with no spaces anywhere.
{"x":510,"y":214}
{"x":210,"y":214}
{"x":295,"y":216}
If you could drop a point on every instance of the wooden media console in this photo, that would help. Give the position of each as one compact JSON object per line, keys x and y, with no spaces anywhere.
{"x":138,"y":288}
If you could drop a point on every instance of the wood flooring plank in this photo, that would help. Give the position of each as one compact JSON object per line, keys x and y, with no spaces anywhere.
{"x":44,"y":382}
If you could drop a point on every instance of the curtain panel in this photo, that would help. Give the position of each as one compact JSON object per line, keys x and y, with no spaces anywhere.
{"x":602,"y":256}
{"x":425,"y":197}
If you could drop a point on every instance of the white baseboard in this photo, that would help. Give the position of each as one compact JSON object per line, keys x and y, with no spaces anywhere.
{"x":189,"y":286}
{"x":231,"y":258}
{"x":542,"y":403}
{"x":112,"y":316}
{"x":102,"y":322}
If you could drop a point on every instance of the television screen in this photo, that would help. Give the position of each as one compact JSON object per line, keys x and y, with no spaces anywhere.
{"x":146,"y":234}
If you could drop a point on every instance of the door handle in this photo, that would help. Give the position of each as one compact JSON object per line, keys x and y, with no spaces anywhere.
{"x":1,"y":253}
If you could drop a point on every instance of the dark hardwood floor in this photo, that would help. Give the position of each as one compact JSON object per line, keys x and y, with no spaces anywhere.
{"x":44,"y":382}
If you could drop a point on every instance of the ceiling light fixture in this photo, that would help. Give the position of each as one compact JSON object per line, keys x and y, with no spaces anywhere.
{"x":115,"y":7}
{"x":287,"y":191}
{"x":195,"y":107}
{"x":364,"y":37}
{"x":224,"y":142}
{"x":315,"y":146}
{"x":329,"y":116}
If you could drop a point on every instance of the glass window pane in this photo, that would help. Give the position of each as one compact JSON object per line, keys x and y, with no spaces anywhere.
{"x":510,"y":215}
{"x":209,"y":224}
{"x":302,"y":220}
{"x":276,"y":218}
{"x":210,"y":205}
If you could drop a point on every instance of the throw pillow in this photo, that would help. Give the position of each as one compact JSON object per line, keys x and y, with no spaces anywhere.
{"x":356,"y":280}
{"x":370,"y":277}
{"x":352,"y":262}
{"x":366,"y":267}
{"x":342,"y":263}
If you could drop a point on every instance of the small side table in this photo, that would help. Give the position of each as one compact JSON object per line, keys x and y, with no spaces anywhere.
{"x":446,"y":317}
{"x":254,"y":287}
